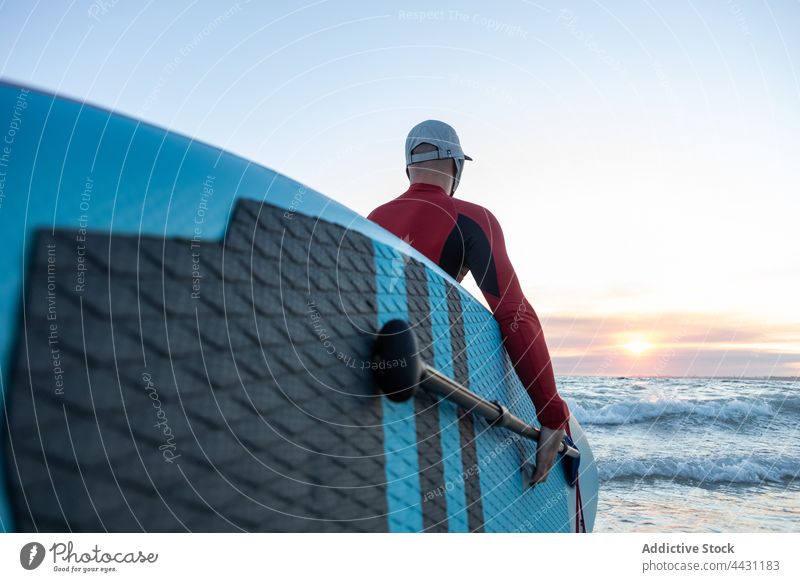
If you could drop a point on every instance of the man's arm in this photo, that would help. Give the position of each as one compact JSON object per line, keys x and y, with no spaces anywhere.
{"x":486,"y":257}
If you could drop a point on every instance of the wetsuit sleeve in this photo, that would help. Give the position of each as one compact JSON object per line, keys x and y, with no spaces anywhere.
{"x":485,"y":256}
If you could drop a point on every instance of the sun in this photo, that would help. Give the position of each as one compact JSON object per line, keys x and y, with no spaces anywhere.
{"x":638,"y":346}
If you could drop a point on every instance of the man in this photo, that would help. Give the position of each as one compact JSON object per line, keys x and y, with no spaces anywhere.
{"x":461,"y":237}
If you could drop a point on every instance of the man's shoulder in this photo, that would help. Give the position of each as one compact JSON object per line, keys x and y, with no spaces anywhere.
{"x":383,"y":207}
{"x":476,"y":212}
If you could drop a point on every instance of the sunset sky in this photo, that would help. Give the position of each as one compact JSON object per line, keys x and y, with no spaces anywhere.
{"x":641,"y":157}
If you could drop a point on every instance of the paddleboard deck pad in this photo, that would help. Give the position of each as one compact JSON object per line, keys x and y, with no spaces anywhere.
{"x":164,"y":381}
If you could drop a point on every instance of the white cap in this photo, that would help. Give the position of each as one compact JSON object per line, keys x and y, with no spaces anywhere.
{"x":444,"y":138}
{"x":440,"y":135}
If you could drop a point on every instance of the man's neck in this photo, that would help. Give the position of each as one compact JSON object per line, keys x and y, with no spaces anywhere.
{"x":442,"y":181}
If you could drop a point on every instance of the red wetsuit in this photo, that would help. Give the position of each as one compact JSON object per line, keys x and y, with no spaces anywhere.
{"x":460,"y":237}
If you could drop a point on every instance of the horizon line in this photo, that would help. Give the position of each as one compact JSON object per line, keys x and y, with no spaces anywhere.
{"x":674,"y":377}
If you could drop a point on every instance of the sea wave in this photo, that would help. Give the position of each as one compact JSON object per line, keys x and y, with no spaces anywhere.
{"x":721,"y":470}
{"x":653,"y":408}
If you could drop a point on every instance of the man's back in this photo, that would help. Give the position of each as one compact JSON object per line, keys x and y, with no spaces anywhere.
{"x":423,"y":216}
{"x":459,"y":237}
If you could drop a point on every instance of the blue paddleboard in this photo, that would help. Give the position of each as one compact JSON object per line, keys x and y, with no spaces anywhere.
{"x":186,"y":346}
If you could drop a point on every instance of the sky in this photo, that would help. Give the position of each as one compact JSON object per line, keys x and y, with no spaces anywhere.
{"x":642,"y":157}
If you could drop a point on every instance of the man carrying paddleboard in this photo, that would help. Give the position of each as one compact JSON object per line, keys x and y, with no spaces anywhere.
{"x":462,"y":237}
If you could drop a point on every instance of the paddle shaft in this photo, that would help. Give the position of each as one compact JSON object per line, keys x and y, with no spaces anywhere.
{"x":434,"y":381}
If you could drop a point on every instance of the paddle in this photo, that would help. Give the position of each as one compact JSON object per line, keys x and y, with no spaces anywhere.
{"x":398,"y":370}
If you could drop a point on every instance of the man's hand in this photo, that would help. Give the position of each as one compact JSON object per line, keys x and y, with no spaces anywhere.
{"x":546,"y":451}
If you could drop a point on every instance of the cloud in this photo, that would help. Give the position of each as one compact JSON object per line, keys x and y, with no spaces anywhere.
{"x":680,"y":344}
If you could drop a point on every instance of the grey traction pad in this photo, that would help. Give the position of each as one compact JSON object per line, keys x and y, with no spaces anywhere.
{"x":243,"y":408}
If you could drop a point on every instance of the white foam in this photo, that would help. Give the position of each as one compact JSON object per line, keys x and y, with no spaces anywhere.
{"x":652,"y":408}
{"x":731,"y":470}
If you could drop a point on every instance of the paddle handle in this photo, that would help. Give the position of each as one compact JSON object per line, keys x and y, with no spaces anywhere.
{"x":495,"y":413}
{"x":398,"y":370}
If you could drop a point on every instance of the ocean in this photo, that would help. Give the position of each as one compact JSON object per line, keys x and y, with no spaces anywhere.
{"x":692,"y":454}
